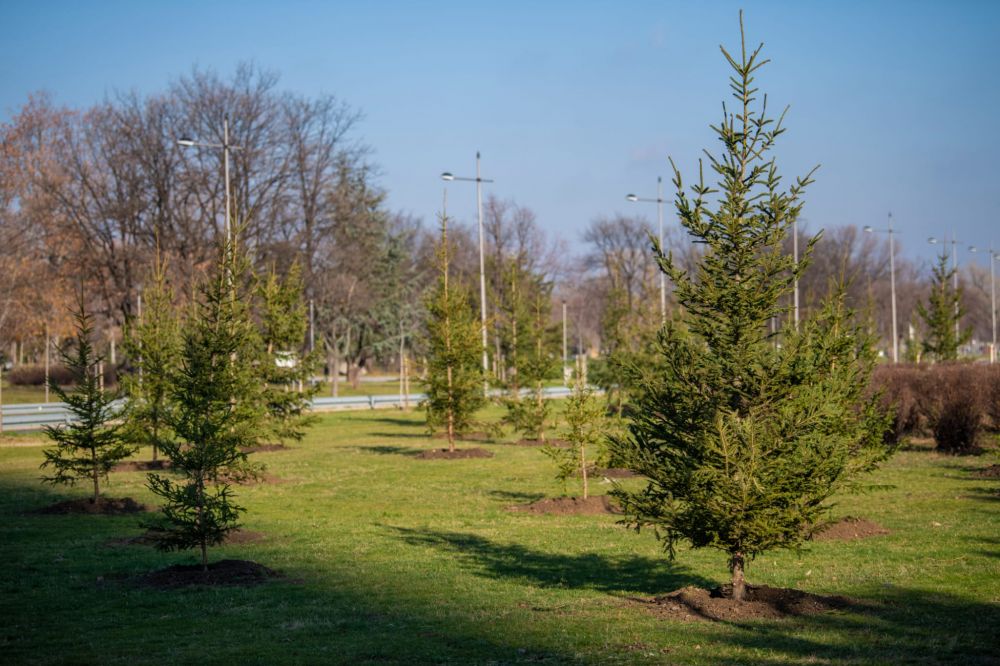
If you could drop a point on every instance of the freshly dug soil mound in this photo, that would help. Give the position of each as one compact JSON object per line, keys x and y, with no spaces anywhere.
{"x":265,"y":447}
{"x":109,"y":506}
{"x":477,"y":436}
{"x":991,"y":472}
{"x":445,"y":454}
{"x":142,"y":466}
{"x":554,"y":443}
{"x":762,"y":602}
{"x":224,"y":573}
{"x":570,"y":506}
{"x":848,"y":529}
{"x":148,"y":538}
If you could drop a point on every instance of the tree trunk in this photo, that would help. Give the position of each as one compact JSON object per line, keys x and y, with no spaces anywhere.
{"x":583,"y":468}
{"x":96,"y":475}
{"x":451,"y":415}
{"x":739,"y":583}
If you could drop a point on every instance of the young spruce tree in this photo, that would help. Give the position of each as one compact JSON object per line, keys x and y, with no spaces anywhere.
{"x":454,"y":375}
{"x":153,"y":344}
{"x":91,"y":444}
{"x":288,"y":372}
{"x":942,"y":314}
{"x":744,"y":441}
{"x":587,"y":425}
{"x":217,"y":411}
{"x":534,"y":363}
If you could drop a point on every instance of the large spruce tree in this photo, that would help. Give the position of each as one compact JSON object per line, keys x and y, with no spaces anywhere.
{"x":216,"y":413}
{"x":744,"y":441}
{"x":90,"y":444}
{"x":942,"y":314}
{"x":454,"y":382}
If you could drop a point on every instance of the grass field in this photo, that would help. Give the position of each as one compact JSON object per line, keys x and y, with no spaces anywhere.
{"x":391,"y":559}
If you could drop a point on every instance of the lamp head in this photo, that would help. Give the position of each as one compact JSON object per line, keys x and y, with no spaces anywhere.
{"x":447,"y":176}
{"x":185,"y":141}
{"x":932,"y":240}
{"x":867,"y":229}
{"x":631,"y":197}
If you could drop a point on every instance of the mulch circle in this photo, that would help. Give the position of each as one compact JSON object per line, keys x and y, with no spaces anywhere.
{"x":227,"y":573}
{"x":108,"y":506}
{"x":264,"y":447}
{"x":848,"y":529}
{"x":991,"y":472}
{"x":762,"y":602}
{"x":142,"y":466}
{"x":445,"y":454}
{"x":570,"y":506}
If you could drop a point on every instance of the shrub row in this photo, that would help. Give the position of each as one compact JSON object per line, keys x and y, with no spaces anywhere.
{"x":954,"y":402}
{"x":34,"y":375}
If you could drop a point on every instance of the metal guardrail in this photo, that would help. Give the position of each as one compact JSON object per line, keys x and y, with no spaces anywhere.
{"x":35,"y":416}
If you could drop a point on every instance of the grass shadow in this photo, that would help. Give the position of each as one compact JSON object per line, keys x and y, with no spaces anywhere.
{"x":615,"y":574}
{"x":401,"y":435}
{"x":896,"y":625}
{"x":507,"y":496}
{"x":386,"y":450}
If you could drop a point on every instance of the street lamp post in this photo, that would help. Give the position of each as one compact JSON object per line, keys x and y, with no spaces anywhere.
{"x":479,"y":180}
{"x":993,"y":300}
{"x":659,"y":215}
{"x":892,"y":283}
{"x":226,"y":147}
{"x":954,"y":273}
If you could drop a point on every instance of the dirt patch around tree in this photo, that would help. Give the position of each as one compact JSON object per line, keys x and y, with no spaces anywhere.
{"x":991,"y":472}
{"x":260,"y":448}
{"x":225,"y":573}
{"x":148,"y":538}
{"x":457,"y":454}
{"x":107,"y":506}
{"x":142,"y":466}
{"x":692,"y":604}
{"x":570,"y":506}
{"x":850,"y":528}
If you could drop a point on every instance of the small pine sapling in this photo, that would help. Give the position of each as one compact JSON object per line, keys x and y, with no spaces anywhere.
{"x":743,"y":441}
{"x":288,"y":372}
{"x":942,"y":314}
{"x":586,"y":426}
{"x":454,"y":383}
{"x":153,"y":346}
{"x":217,"y":413}
{"x":91,"y":443}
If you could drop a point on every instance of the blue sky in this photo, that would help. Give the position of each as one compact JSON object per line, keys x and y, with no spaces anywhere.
{"x":575,"y":104}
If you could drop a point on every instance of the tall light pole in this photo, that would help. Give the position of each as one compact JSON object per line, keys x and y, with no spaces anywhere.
{"x":954,"y":272}
{"x":659,"y":216}
{"x":479,"y":180}
{"x":892,"y":283}
{"x":993,"y":299}
{"x":226,"y":147}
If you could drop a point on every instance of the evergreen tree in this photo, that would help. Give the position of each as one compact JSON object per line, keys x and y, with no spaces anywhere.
{"x":534,"y":363}
{"x":217,"y":411}
{"x":586,"y":425}
{"x":153,"y":345}
{"x":91,"y":443}
{"x":744,"y":441}
{"x":942,"y":315}
{"x":288,"y":372}
{"x":454,"y":375}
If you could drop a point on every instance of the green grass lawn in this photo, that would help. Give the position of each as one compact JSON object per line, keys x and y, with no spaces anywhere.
{"x":391,"y":559}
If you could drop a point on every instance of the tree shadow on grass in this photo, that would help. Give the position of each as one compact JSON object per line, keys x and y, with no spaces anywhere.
{"x":390,"y":450}
{"x":895,"y":626}
{"x":507,"y":496}
{"x":617,"y":574}
{"x":401,"y":435}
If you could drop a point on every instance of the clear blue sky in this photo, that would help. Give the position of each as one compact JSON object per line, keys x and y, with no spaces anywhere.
{"x":575,"y":104}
